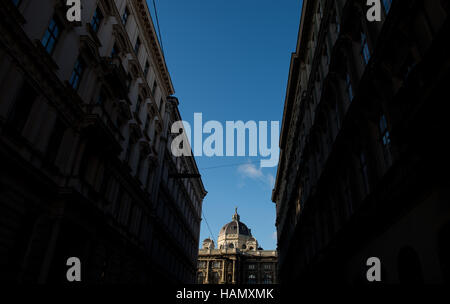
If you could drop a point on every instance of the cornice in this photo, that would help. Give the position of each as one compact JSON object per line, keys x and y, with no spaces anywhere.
{"x":146,"y":23}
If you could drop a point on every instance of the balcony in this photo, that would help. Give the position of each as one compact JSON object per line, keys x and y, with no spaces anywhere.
{"x":99,"y":126}
{"x":116,"y":76}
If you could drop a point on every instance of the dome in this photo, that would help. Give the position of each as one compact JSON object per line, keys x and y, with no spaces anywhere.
{"x":235,"y":227}
{"x":232,"y":228}
{"x":235,"y":234}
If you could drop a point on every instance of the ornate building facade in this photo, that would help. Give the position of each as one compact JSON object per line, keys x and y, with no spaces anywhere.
{"x":86,"y":167}
{"x":363,"y":170}
{"x":238,"y":258}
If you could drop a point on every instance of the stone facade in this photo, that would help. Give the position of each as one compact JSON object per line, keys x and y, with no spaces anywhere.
{"x":238,"y":260}
{"x":86,"y":167}
{"x":363,"y":164}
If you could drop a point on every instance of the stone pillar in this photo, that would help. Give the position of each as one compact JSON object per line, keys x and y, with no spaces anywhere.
{"x":234,"y":272}
{"x":223,"y":271}
{"x":207,"y":272}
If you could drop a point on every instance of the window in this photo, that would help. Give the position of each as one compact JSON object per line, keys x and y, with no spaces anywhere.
{"x":22,"y":107}
{"x":348,"y":197}
{"x":96,"y":20}
{"x":51,"y":36}
{"x":444,"y":251}
{"x":267,"y":266}
{"x":385,"y":139}
{"x":216,"y":264}
{"x":364,"y":171}
{"x":384,"y":131}
{"x":142,"y":157}
{"x":365,"y":53}
{"x":251,"y":266}
{"x":155,"y":85}
{"x":325,"y":54}
{"x":267,"y":279}
{"x":147,"y":124}
{"x":200,"y":278}
{"x":215,"y":278}
{"x":128,"y":153}
{"x":128,"y":81}
{"x":336,"y":22}
{"x":55,"y":140}
{"x":201,"y":264}
{"x":244,"y":246}
{"x":336,"y":115}
{"x":349,"y":88}
{"x":251,"y":279}
{"x":387,"y":5}
{"x":231,"y":245}
{"x":77,"y":73}
{"x":101,"y":98}
{"x":147,"y":68}
{"x":138,"y":104}
{"x":137,"y":46}
{"x":125,"y":16}
{"x":114,"y":51}
{"x":409,"y":267}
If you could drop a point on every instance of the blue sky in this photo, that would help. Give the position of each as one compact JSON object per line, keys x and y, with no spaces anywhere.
{"x":230,"y":61}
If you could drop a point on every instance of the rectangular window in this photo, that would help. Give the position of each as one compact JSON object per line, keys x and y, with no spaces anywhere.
{"x":51,"y":36}
{"x":101,"y":98}
{"x":348,"y":197}
{"x":385,"y":139}
{"x":128,"y":153}
{"x":96,"y":20}
{"x":147,"y":124}
{"x":155,"y":85}
{"x":384,"y":131}
{"x":365,"y":52}
{"x":251,"y":279}
{"x":387,"y":5}
{"x":114,"y":51}
{"x":147,"y":68}
{"x":137,"y":46}
{"x":125,"y":16}
{"x":55,"y":140}
{"x":251,"y":266}
{"x":22,"y":107}
{"x":128,"y":81}
{"x":77,"y":73}
{"x":364,"y":171}
{"x":348,"y":83}
{"x":138,"y":105}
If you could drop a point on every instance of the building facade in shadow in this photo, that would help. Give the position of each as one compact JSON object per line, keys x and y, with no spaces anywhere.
{"x":86,"y":167}
{"x":363,"y":165}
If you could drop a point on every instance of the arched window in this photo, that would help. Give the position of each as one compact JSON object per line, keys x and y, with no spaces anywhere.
{"x":409,"y":266}
{"x":231,"y":245}
{"x":244,"y":246}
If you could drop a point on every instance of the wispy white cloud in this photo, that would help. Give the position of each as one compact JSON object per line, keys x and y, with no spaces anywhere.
{"x":252,"y":172}
{"x":274,"y":235}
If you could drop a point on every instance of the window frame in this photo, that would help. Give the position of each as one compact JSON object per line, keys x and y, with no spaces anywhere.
{"x":52,"y":35}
